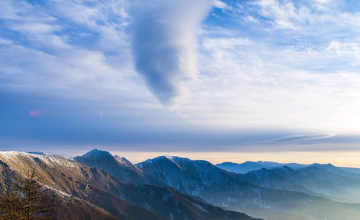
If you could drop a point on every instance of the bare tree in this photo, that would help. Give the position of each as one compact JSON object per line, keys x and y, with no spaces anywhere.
{"x":27,"y":200}
{"x":11,"y":207}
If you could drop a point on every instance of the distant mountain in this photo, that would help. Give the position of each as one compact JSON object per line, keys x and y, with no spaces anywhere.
{"x":104,"y":191}
{"x":253,"y":166}
{"x":351,"y":170}
{"x":331,"y":168}
{"x":316,"y":178}
{"x":311,"y":180}
{"x":247,"y":166}
{"x":269,"y":179}
{"x":239,"y":193}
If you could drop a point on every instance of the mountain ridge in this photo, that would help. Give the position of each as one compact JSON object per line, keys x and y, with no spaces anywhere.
{"x":116,"y":197}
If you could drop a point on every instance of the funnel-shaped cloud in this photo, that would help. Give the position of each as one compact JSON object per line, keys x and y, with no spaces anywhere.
{"x":164,"y":45}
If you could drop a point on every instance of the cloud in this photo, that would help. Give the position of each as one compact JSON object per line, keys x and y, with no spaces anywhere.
{"x":221,"y":5}
{"x":269,"y":76}
{"x":280,"y":86}
{"x":301,"y":138}
{"x":284,"y":15}
{"x":5,"y":41}
{"x":350,"y":50}
{"x":320,"y":18}
{"x":164,"y":45}
{"x":293,"y":139}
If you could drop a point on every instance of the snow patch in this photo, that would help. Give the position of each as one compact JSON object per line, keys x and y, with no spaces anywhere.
{"x":172,"y":160}
{"x":201,"y":208}
{"x":48,"y":160}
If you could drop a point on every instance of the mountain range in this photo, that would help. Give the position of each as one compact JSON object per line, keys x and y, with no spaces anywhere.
{"x":253,"y":166}
{"x":107,"y":186}
{"x":96,"y":194}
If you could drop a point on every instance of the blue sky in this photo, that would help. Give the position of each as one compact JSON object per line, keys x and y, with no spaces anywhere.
{"x":203,"y":75}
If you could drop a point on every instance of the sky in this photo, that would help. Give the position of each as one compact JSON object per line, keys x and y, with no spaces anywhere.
{"x":270,"y":79}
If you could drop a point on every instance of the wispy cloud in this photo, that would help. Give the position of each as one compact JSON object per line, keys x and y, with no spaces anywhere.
{"x":301,"y":138}
{"x":304,"y":76}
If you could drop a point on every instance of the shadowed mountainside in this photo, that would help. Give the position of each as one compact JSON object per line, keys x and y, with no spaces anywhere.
{"x":124,"y":201}
{"x":235,"y":191}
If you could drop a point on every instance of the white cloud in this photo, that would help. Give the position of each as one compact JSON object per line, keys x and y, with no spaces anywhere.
{"x":246,"y":83}
{"x":326,"y":19}
{"x":221,"y":5}
{"x":223,"y":43}
{"x":284,"y":15}
{"x":250,"y":19}
{"x":54,"y":57}
{"x":35,"y":28}
{"x":348,"y":50}
{"x":323,"y":1}
{"x":5,"y":41}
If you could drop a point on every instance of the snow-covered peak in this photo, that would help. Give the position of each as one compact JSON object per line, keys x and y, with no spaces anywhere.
{"x":16,"y":156}
{"x":39,"y":153}
{"x":169,"y":157}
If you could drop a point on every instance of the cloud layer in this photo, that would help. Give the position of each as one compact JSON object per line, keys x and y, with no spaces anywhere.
{"x":164,"y":45}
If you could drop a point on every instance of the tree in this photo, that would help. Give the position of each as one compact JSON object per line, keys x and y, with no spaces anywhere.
{"x":27,"y":200}
{"x":11,"y":206}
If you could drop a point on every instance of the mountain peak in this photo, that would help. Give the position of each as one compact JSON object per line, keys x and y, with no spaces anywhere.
{"x":319,"y":165}
{"x":174,"y":159}
{"x":169,"y":157}
{"x":162,"y":159}
{"x":115,"y":165}
{"x":95,"y":158}
{"x":96,"y":153}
